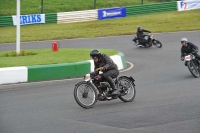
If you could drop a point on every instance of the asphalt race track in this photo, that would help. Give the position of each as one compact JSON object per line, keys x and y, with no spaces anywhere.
{"x":167,"y":99}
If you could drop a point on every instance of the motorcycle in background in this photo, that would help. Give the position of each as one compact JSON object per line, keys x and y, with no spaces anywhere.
{"x":148,"y":41}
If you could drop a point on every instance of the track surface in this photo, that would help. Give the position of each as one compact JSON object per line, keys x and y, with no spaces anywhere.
{"x":167,"y":99}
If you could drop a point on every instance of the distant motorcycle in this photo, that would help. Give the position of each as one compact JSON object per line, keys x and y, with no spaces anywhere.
{"x":148,"y":41}
{"x":193,"y":65}
{"x":87,"y":92}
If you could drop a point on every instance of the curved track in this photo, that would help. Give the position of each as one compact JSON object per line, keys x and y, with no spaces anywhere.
{"x":167,"y":99}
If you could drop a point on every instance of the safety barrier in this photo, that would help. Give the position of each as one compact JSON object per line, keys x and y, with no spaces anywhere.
{"x":90,"y":15}
{"x":28,"y":19}
{"x":77,"y":16}
{"x":51,"y":18}
{"x":188,"y":5}
{"x":6,"y":21}
{"x":53,"y":71}
{"x":151,"y":8}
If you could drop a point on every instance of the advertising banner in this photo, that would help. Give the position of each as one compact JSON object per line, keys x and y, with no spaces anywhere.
{"x":109,"y":13}
{"x":188,"y":5}
{"x":29,"y":19}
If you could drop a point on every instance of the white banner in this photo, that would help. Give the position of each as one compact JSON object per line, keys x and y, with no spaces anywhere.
{"x":188,"y":5}
{"x":30,"y":19}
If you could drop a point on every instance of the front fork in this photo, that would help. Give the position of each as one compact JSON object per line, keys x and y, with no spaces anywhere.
{"x":194,"y":63}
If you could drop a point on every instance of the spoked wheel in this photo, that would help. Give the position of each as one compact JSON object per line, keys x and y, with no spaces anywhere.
{"x":193,"y":69}
{"x":127,"y":89}
{"x":85,"y":95}
{"x":157,"y":43}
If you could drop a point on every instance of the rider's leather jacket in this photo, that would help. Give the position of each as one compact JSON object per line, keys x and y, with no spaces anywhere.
{"x":140,"y":34}
{"x":106,"y":62}
{"x":188,"y":49}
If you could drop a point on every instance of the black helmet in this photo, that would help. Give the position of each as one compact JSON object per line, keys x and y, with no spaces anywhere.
{"x":95,"y":53}
{"x":139,"y":28}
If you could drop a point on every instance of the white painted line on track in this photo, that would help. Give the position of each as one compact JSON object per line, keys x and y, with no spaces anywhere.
{"x":60,"y":80}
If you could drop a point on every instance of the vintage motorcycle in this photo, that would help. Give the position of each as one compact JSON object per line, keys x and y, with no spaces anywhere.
{"x":148,"y":41}
{"x":193,"y":64}
{"x":89,"y":91}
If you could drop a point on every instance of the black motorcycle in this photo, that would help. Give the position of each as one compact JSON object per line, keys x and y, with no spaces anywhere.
{"x":193,"y":64}
{"x":89,"y":91}
{"x":147,"y":41}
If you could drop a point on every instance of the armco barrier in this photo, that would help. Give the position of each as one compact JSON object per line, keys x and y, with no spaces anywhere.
{"x":188,"y":5}
{"x":108,"y":13}
{"x":52,"y":72}
{"x":6,"y":21}
{"x":50,"y":18}
{"x":151,"y":8}
{"x":90,"y":15}
{"x":77,"y":16}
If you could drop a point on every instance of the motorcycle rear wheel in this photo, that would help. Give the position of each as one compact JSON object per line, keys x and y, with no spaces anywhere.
{"x":193,"y":70}
{"x":85,"y":95}
{"x":127,"y":87}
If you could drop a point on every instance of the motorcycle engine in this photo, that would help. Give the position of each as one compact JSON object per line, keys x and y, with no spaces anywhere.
{"x":104,"y":85}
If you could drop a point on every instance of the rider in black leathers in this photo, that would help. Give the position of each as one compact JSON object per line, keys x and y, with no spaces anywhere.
{"x":107,"y":66}
{"x":141,"y":35}
{"x":188,"y":48}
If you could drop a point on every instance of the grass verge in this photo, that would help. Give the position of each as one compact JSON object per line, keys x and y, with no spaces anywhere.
{"x":46,"y":56}
{"x":160,"y":22}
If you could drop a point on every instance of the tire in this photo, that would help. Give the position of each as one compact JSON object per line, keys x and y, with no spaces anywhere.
{"x":192,"y":69}
{"x":157,"y":43}
{"x":84,"y":92}
{"x":123,"y":83}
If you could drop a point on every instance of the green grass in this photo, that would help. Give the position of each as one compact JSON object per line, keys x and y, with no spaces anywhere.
{"x":160,"y":22}
{"x":8,"y":7}
{"x":46,"y":56}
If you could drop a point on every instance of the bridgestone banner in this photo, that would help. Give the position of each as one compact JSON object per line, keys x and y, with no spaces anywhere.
{"x":188,"y":5}
{"x":30,"y":19}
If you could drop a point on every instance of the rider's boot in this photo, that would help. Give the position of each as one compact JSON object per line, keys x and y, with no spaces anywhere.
{"x":115,"y":91}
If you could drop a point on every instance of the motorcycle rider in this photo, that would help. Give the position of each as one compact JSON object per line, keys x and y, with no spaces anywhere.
{"x":188,"y":47}
{"x":110,"y":70}
{"x":141,"y":35}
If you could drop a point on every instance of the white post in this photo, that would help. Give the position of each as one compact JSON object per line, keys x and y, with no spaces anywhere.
{"x":18,"y":28}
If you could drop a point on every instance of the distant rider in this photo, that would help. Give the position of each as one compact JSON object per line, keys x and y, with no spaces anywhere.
{"x":141,"y":35}
{"x":187,"y":48}
{"x":107,"y":66}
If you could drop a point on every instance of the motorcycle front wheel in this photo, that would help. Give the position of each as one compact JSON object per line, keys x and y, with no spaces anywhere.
{"x":85,"y":95}
{"x":193,"y":69}
{"x":157,"y":43}
{"x":127,"y":89}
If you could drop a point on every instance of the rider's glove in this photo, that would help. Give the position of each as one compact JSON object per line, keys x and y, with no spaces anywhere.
{"x":182,"y":58}
{"x":100,"y":69}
